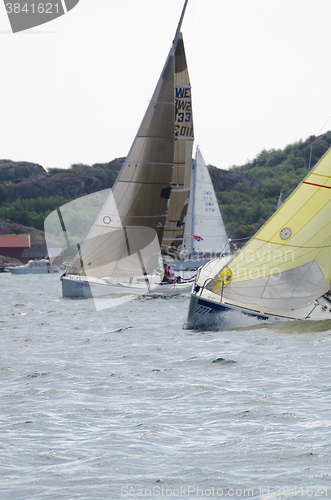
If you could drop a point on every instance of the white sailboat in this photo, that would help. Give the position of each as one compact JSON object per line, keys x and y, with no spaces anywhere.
{"x":204,"y":235}
{"x":284,"y":271}
{"x":144,"y":210}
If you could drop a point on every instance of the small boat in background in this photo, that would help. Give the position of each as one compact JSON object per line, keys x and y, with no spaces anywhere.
{"x":41,"y":266}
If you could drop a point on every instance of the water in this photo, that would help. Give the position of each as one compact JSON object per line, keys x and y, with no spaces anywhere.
{"x":125,"y":403}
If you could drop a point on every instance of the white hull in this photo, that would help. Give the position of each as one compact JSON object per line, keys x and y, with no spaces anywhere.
{"x":77,"y":286}
{"x":21,"y":270}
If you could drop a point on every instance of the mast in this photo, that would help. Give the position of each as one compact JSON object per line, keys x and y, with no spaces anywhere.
{"x":193,"y":194}
{"x":180,"y":21}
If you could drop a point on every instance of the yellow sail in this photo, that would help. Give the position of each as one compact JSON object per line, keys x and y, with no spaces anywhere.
{"x":287,"y":264}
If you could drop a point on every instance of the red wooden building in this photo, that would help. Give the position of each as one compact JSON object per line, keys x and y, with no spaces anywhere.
{"x":14,"y":245}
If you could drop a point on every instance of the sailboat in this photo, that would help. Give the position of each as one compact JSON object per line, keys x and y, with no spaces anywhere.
{"x":284,"y":271}
{"x":204,"y":234}
{"x":142,"y":216}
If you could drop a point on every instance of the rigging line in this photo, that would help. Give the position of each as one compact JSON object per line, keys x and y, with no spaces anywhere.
{"x":241,"y":239}
{"x":311,"y":146}
{"x":63,"y":227}
{"x":324,"y":125}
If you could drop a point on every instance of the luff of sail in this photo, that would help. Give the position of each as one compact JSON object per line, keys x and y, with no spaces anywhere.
{"x":287,"y":264}
{"x":184,"y":137}
{"x":203,"y":215}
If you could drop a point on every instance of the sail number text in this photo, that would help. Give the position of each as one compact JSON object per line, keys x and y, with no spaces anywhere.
{"x":40,"y":8}
{"x":183,"y":107}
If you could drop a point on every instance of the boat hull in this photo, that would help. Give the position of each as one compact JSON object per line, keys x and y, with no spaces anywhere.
{"x":209,"y":309}
{"x":78,"y":287}
{"x":34,"y":270}
{"x":204,"y":311}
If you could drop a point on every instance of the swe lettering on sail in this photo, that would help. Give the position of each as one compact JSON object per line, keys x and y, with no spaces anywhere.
{"x":209,"y":201}
{"x":183,"y":112}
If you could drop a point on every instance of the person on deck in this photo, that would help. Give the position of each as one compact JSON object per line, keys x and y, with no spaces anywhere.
{"x":166,"y":275}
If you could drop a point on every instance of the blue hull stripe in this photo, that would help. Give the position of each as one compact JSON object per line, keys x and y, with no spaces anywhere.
{"x":220,"y":307}
{"x":212,"y":305}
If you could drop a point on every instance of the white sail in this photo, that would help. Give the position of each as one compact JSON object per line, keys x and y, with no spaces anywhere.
{"x":203,"y":219}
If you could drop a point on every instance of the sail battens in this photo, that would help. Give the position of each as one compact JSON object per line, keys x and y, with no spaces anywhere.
{"x":145,"y":216}
{"x":185,"y":137}
{"x":171,"y":239}
{"x":161,"y":102}
{"x":317,"y":185}
{"x":174,"y":190}
{"x":291,"y":245}
{"x":143,"y":183}
{"x":136,"y":163}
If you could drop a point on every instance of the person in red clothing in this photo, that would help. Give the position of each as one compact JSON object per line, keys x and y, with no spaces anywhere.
{"x":166,"y":273}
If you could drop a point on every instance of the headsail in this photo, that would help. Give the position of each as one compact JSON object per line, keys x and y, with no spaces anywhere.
{"x":184,"y":137}
{"x":287,"y":264}
{"x":203,"y":215}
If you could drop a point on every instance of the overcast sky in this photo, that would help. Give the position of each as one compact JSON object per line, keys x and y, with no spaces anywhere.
{"x":75,"y":90}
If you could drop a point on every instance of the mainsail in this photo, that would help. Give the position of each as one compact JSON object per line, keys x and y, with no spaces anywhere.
{"x":140,"y":195}
{"x":151,"y":189}
{"x":203,"y":217}
{"x":287,"y":264}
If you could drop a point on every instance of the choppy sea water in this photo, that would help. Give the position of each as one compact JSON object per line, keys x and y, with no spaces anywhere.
{"x":125,"y":403}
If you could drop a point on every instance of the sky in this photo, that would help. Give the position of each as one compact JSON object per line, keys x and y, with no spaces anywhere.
{"x":75,"y":90}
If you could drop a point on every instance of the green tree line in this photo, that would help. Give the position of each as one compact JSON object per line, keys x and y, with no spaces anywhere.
{"x":30,"y":212}
{"x":244,"y":208}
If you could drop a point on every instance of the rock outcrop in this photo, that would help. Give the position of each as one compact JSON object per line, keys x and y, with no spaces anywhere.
{"x":23,"y":180}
